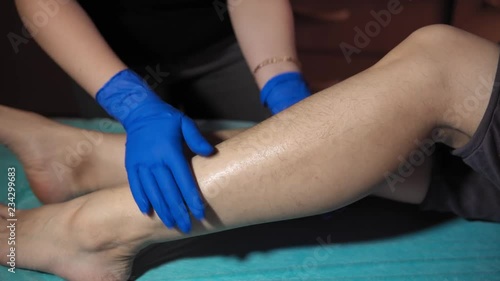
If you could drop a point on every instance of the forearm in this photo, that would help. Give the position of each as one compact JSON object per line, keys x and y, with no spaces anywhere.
{"x":72,"y":41}
{"x":264,"y":29}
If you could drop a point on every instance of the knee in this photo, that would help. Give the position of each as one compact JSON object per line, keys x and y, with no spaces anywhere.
{"x":423,"y":59}
{"x":438,"y":36}
{"x":432,"y":53}
{"x":431,"y":45}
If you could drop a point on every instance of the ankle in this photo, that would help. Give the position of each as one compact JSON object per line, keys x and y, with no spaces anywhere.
{"x":87,"y":226}
{"x":98,"y":229}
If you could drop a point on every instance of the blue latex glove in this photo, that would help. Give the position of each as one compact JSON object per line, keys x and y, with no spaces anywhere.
{"x":158,"y":172}
{"x":283,"y":91}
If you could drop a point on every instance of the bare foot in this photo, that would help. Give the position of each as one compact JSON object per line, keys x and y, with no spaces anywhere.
{"x":58,"y":239}
{"x":62,"y":162}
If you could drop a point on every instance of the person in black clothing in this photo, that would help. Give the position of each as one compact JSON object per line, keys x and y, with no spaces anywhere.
{"x":190,"y":47}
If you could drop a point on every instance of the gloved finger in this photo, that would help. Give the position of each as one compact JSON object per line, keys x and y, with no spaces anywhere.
{"x":155,"y":197}
{"x":172,"y":196}
{"x":136,"y":188}
{"x":194,"y":139}
{"x":189,"y":189}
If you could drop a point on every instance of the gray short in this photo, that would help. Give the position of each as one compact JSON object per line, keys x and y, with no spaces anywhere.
{"x":466,"y":181}
{"x":213,"y":84}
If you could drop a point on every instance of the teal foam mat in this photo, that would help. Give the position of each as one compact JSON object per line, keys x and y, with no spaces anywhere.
{"x":370,"y":240}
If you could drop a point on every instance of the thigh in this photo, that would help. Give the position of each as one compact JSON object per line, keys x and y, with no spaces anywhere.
{"x":409,"y":182}
{"x":467,"y":95}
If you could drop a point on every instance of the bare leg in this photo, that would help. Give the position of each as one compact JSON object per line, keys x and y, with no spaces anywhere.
{"x":324,"y":153}
{"x":63,"y":162}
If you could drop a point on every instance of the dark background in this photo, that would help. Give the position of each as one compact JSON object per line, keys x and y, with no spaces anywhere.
{"x":31,"y":81}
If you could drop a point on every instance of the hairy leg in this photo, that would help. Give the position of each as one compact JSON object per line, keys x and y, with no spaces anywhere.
{"x":63,"y":162}
{"x":319,"y":155}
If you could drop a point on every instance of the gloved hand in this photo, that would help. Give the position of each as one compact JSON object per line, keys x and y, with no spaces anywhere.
{"x":158,"y":172}
{"x":283,"y":91}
